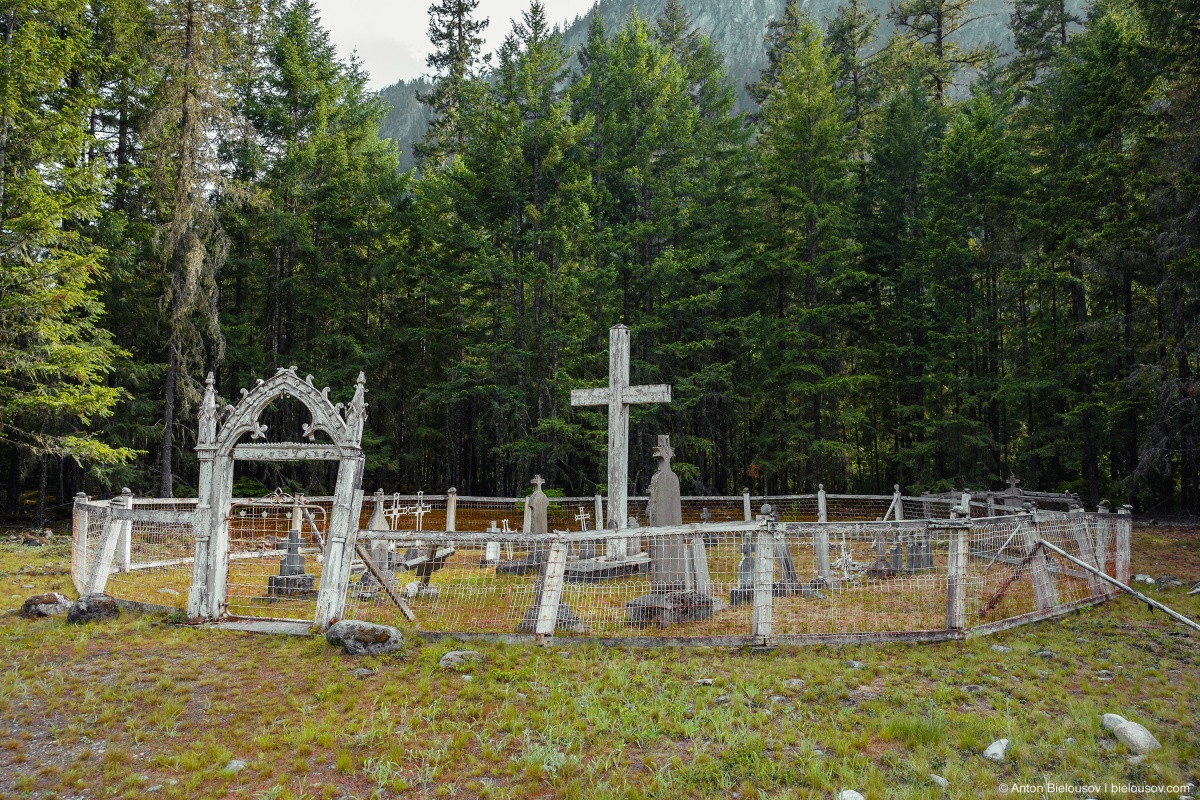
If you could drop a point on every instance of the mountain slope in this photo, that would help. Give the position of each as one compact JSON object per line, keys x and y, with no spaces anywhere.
{"x":737,"y":27}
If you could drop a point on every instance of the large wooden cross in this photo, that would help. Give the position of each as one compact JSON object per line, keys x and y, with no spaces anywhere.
{"x":618,"y":396}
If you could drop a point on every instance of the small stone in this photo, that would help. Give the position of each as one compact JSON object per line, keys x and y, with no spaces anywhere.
{"x":1044,"y":653}
{"x":564,"y":654}
{"x":940,"y":781}
{"x":818,"y":751}
{"x":1135,"y":737}
{"x":852,"y":664}
{"x":849,"y":794}
{"x":721,"y":699}
{"x":364,"y":638}
{"x":521,"y":696}
{"x":1081,"y":640}
{"x":972,"y":688}
{"x":1135,"y":760}
{"x":793,"y":683}
{"x":1103,"y":675}
{"x":421,"y":591}
{"x":167,"y":590}
{"x":235,"y":766}
{"x":155,"y":788}
{"x":999,"y":648}
{"x":362,"y":672}
{"x":1069,"y":740}
{"x":1142,"y":577}
{"x":93,"y":607}
{"x":996,"y":750}
{"x":456,"y":658}
{"x":704,"y":682}
{"x":778,"y":698}
{"x":468,"y":678}
{"x":45,"y":605}
{"x":27,"y":586}
{"x":1111,"y":721}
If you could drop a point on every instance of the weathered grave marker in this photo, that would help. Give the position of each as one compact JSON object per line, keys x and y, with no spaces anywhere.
{"x":618,"y":396}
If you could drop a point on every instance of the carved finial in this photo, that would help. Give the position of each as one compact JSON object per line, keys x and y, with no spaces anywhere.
{"x":896,"y":488}
{"x":207,"y":429}
{"x":820,"y":487}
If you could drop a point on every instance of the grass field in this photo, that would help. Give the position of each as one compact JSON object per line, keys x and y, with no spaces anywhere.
{"x":139,"y":708}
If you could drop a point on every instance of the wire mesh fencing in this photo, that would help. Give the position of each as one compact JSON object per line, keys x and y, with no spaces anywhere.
{"x":782,"y":576}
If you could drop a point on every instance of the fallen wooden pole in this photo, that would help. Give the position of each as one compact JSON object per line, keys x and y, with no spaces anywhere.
{"x":1104,"y":576}
{"x":385,"y":583}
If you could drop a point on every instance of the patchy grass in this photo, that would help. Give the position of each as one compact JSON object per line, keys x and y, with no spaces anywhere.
{"x":137,"y":708}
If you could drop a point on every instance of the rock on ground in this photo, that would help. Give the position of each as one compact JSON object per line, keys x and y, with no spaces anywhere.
{"x":93,"y":607}
{"x":364,"y":638}
{"x":45,"y":605}
{"x":456,"y":658}
{"x":850,"y":794}
{"x":996,"y":750}
{"x":1110,"y":721}
{"x":940,"y":781}
{"x":999,"y":648}
{"x":1136,"y":737}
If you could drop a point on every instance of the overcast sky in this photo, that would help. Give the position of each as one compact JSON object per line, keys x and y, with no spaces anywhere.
{"x":390,"y":36}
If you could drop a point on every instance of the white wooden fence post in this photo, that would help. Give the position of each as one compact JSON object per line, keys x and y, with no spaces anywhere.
{"x":598,"y":502}
{"x":956,"y":574}
{"x":125,"y":535}
{"x":1124,"y":540}
{"x":1045,"y":591}
{"x":79,"y":531}
{"x":821,"y":537}
{"x":764,"y":579}
{"x":1087,"y":549}
{"x":451,"y":508}
{"x":747,"y":512}
{"x":552,"y":588}
{"x":107,"y":550}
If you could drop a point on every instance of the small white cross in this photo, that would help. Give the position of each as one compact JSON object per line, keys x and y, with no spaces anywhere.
{"x":421,"y":509}
{"x":582,"y":518}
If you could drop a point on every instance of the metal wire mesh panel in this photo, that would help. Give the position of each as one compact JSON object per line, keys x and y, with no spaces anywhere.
{"x":275,"y":559}
{"x":856,"y":507}
{"x":882,"y":578}
{"x":797,"y":508}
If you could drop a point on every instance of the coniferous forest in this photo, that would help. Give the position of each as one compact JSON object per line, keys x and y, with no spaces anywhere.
{"x":913,"y":262}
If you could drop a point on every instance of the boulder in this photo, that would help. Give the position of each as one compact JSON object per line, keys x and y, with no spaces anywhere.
{"x":1136,"y":737}
{"x":850,"y":794}
{"x":93,"y":607}
{"x":50,"y":604}
{"x":364,"y":638}
{"x":996,"y":750}
{"x":1111,"y":721}
{"x":456,"y":658}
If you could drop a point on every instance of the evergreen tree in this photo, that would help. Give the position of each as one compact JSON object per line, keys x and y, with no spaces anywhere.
{"x":929,"y":27}
{"x":804,"y":284}
{"x":55,"y":360}
{"x":456,"y":36}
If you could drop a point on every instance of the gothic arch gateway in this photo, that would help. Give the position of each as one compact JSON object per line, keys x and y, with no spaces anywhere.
{"x":218,"y":446}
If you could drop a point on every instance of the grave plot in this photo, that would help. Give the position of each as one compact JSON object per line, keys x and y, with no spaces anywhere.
{"x":660,"y":568}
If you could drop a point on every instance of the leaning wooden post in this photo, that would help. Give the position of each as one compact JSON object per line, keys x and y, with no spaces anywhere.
{"x":107,"y":550}
{"x":1045,"y":592}
{"x":1103,"y":537}
{"x":125,"y":534}
{"x":956,"y":576}
{"x":552,"y":589}
{"x":764,"y":579}
{"x":1087,"y":549}
{"x":821,"y":537}
{"x":747,"y":512}
{"x":1124,"y":541}
{"x":79,"y":530}
{"x":451,"y":508}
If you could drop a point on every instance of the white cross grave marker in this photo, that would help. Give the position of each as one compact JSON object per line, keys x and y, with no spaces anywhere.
{"x":582,"y":518}
{"x":619,"y":396}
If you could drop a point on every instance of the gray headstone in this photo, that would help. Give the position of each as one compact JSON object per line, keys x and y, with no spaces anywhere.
{"x":668,"y":554}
